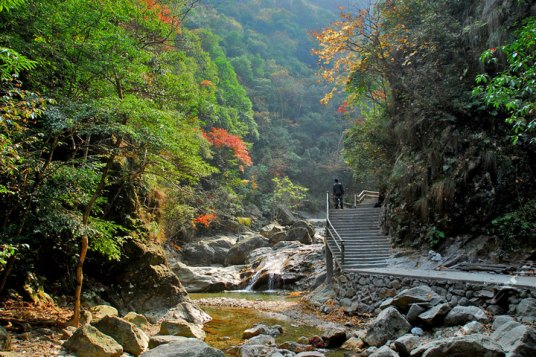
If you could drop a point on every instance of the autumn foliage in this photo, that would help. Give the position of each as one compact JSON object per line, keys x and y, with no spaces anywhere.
{"x":163,"y":13}
{"x":222,"y":138}
{"x":205,"y":219}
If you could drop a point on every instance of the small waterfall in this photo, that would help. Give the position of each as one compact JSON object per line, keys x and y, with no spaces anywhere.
{"x":271,"y":266}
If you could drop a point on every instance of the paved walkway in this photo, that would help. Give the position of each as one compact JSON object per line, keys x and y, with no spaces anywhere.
{"x":484,"y":278}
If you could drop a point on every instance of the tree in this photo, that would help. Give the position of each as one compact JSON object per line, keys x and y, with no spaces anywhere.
{"x":513,"y":89}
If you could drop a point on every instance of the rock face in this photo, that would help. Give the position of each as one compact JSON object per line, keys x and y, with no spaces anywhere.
{"x":87,"y":341}
{"x":209,"y":279}
{"x":128,"y":335}
{"x":189,"y":347}
{"x":419,"y":294}
{"x":142,"y":282}
{"x":388,"y":325}
{"x":181,"y":327}
{"x":516,"y":339}
{"x":474,"y":345}
{"x":461,"y":315}
{"x":238,"y":254}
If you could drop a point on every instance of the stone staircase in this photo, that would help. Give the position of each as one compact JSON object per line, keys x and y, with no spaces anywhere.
{"x":364,"y":244}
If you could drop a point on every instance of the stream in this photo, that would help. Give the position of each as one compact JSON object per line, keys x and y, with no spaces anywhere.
{"x":235,"y":311}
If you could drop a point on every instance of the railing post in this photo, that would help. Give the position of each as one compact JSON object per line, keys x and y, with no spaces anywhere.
{"x":329,"y":265}
{"x":342,"y":252}
{"x":355,"y":200}
{"x":327,"y":205}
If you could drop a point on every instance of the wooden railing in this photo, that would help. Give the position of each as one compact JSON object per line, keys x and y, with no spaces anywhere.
{"x":364,"y":194}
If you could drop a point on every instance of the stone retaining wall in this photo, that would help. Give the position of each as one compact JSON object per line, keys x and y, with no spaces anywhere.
{"x":365,"y":292}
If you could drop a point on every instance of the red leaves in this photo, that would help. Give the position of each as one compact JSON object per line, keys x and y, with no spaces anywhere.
{"x":205,"y":219}
{"x":163,"y":13}
{"x":221,"y":138}
{"x":343,"y":109}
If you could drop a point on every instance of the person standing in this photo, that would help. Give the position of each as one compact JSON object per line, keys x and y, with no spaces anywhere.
{"x":338,"y":192}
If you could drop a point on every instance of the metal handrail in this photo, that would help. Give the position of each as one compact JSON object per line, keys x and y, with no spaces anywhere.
{"x":329,"y":224}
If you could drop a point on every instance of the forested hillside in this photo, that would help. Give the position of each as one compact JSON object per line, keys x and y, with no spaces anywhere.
{"x":268,"y":44}
{"x":445,"y":96}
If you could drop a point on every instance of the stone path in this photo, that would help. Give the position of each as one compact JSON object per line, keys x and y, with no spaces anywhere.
{"x":486,"y":278}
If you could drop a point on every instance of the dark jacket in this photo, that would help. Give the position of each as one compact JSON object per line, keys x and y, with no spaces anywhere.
{"x":338,"y":190}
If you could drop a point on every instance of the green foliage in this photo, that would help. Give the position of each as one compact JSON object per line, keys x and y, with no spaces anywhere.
{"x":6,"y":5}
{"x":12,"y":63}
{"x":517,"y":228}
{"x":287,"y":193}
{"x":513,"y":89}
{"x":435,"y":236}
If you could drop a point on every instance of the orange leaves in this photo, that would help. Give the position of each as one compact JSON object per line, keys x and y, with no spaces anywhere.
{"x":206,"y":83}
{"x":205,"y":219}
{"x":163,"y":13}
{"x":222,"y":138}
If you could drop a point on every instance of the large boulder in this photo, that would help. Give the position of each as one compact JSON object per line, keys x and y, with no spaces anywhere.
{"x":271,"y":229}
{"x":238,"y":254}
{"x":137,"y":319}
{"x":460,"y":315}
{"x":100,"y":311}
{"x":434,"y":316}
{"x":207,"y":252}
{"x":284,"y":216}
{"x":187,"y":311}
{"x":158,"y":340}
{"x":388,"y":325}
{"x":142,"y":282}
{"x":473,"y":345}
{"x":516,"y":339}
{"x":421,"y":294}
{"x":181,"y":327}
{"x":87,"y":341}
{"x":334,"y":337}
{"x":299,"y":234}
{"x":526,"y":310}
{"x":209,"y":279}
{"x":306,"y":225}
{"x":128,"y":335}
{"x":188,"y":347}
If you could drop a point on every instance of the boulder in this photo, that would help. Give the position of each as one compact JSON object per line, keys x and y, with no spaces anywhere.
{"x":434,"y":316}
{"x":296,"y":347}
{"x":137,"y":319}
{"x":420,"y":294}
{"x":334,"y":337}
{"x":388,"y":325}
{"x":299,"y":234}
{"x":473,"y":345}
{"x":180,"y":327}
{"x":306,"y":225}
{"x":143,"y":282}
{"x":501,"y":320}
{"x":461,"y":315}
{"x":158,"y":340}
{"x":207,"y":252}
{"x":128,"y":335}
{"x":355,"y":344}
{"x":284,"y":216}
{"x":472,"y":327}
{"x":87,"y":341}
{"x":526,"y":310}
{"x":208,"y":279}
{"x":238,"y":254}
{"x":189,"y":347}
{"x":256,"y":350}
{"x":516,"y":339}
{"x":384,"y":351}
{"x":271,"y":229}
{"x":100,"y":311}
{"x":261,"y":329}
{"x":187,"y":311}
{"x":404,"y":344}
{"x":413,"y":313}
{"x":261,"y":340}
